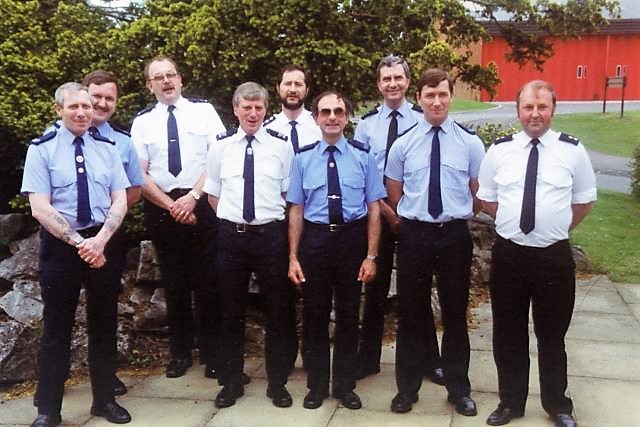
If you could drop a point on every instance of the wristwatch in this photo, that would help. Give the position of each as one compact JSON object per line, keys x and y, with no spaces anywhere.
{"x":372,"y":257}
{"x":77,"y":239}
{"x":196,"y":196}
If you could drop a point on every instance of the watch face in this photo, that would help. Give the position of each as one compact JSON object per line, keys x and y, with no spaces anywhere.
{"x":77,"y":239}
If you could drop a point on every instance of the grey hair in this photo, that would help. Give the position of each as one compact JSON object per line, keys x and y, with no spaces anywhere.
{"x":390,"y":61}
{"x":68,"y":87}
{"x":250,"y":91}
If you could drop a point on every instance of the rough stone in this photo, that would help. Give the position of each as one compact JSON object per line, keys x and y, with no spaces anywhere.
{"x":24,"y":262}
{"x":148,"y":265}
{"x":18,"y":357}
{"x":22,"y":308}
{"x":580,"y":258}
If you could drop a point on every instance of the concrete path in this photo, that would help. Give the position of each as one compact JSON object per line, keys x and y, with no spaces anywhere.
{"x":603,"y":346}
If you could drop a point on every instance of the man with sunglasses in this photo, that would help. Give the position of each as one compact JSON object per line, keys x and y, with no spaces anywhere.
{"x":334,"y":227}
{"x":172,"y":139}
{"x":380,"y":128}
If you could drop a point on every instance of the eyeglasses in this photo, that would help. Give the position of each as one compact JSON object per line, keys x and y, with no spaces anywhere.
{"x":160,"y":77}
{"x":337,"y":112}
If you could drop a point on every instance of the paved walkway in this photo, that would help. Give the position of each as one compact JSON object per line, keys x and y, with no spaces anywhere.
{"x":603,"y":347}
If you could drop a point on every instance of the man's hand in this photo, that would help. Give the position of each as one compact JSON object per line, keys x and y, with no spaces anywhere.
{"x":91,"y":251}
{"x":296,"y":275}
{"x":181,"y":210}
{"x":367,"y":270}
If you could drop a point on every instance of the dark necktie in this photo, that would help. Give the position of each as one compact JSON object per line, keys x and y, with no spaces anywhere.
{"x":435,"y":196}
{"x":84,"y":210}
{"x":528,"y":213}
{"x":175,"y":165}
{"x":248,"y":206}
{"x":392,"y":135}
{"x":333,"y":189}
{"x":294,"y":136}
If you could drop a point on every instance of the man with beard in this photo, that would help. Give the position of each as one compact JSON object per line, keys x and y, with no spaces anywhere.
{"x":294,"y":120}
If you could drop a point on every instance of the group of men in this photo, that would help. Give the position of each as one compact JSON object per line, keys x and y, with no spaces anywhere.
{"x":294,"y":201}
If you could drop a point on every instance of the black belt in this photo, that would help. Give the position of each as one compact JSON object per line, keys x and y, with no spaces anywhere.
{"x":247,"y":228}
{"x":334,"y":228}
{"x":176,"y":193}
{"x":438,"y":225}
{"x":90,"y":232}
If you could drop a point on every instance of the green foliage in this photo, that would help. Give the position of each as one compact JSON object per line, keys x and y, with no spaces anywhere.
{"x":489,"y":132}
{"x":635,"y":177}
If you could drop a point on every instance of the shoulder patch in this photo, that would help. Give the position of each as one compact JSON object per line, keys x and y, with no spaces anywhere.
{"x":503,"y":139}
{"x":569,"y":138}
{"x":56,"y":124}
{"x":96,"y":135}
{"x":467,"y":130}
{"x":269,"y":120}
{"x":122,"y":131}
{"x":407,"y":129}
{"x":145,"y":111}
{"x":276,"y":134}
{"x":226,"y":134}
{"x":371,"y":112}
{"x":195,"y":99}
{"x":417,"y":108}
{"x":359,"y":145}
{"x":44,"y":138}
{"x":308,"y":147}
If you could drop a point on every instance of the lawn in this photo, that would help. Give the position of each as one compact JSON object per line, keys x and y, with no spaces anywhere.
{"x":606,"y":133}
{"x":609,"y":235}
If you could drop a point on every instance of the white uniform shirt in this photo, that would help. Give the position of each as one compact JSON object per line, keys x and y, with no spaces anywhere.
{"x":198,"y":125}
{"x":565,"y":177}
{"x":308,"y":130}
{"x":272,"y":166}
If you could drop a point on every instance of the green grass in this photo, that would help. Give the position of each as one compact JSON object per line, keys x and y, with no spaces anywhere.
{"x":609,"y":235}
{"x":606,"y":133}
{"x":456,"y":105}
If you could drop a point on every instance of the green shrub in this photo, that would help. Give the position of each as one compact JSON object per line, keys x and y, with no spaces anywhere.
{"x":635,"y":175}
{"x":489,"y":132}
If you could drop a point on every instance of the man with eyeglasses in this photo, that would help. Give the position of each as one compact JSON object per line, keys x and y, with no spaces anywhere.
{"x":294,"y":120}
{"x":172,"y":139}
{"x":431,"y":177}
{"x":334,"y":227}
{"x":380,"y":128}
{"x":247,"y":177}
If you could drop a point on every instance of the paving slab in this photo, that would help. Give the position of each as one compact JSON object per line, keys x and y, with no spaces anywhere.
{"x":604,"y":327}
{"x":366,"y":418}
{"x":597,"y":359}
{"x":635,"y":309}
{"x":535,"y":416}
{"x":193,"y":385}
{"x":630,"y":292}
{"x":600,"y":301}
{"x":484,"y":376}
{"x":602,"y":282}
{"x":603,"y":402}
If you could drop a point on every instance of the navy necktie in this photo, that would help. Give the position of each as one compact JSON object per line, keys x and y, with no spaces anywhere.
{"x":528,"y":212}
{"x":248,"y":204}
{"x":175,"y":165}
{"x":84,"y":210}
{"x":435,"y":196}
{"x":333,"y":189}
{"x":392,"y":135}
{"x":294,"y":136}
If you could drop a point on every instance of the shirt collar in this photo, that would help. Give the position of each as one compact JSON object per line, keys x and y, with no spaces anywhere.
{"x":404,"y":109}
{"x":259,"y":136}
{"x":341,"y":145}
{"x":545,"y":139}
{"x":444,"y":126}
{"x":66,"y":134}
{"x":179,"y":104}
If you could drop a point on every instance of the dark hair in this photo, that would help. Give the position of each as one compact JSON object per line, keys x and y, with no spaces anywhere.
{"x":293,"y":67}
{"x":99,"y":77}
{"x":390,"y":61}
{"x":432,"y":78}
{"x":158,"y":58}
{"x":316,"y":100}
{"x":536,"y":85}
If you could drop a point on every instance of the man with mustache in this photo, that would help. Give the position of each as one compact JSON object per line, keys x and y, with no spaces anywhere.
{"x":294,"y":120}
{"x":172,"y":139}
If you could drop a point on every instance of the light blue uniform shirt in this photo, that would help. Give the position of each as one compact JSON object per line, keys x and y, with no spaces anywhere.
{"x":373,"y":128}
{"x":125,"y":147}
{"x":360,"y":182}
{"x":461,"y":152}
{"x":50,"y":169}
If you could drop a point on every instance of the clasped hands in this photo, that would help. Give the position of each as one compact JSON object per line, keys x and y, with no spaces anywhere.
{"x":181,"y":210}
{"x":91,"y":251}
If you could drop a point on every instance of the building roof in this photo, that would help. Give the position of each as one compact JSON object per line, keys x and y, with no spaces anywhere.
{"x":615,"y":26}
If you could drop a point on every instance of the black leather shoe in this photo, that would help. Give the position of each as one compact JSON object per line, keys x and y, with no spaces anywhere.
{"x":279,"y":396}
{"x":314,"y":399}
{"x":112,"y":412}
{"x":563,"y":420}
{"x":364,"y":371}
{"x":177,"y":367}
{"x":210,"y":372}
{"x":403,"y":402}
{"x":464,"y":405}
{"x":43,"y":420}
{"x":228,"y":395}
{"x":119,"y":388}
{"x":502,"y":415}
{"x":436,"y":375}
{"x":349,"y":399}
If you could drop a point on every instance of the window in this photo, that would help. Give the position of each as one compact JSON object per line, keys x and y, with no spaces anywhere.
{"x":621,"y":70}
{"x":581,"y":72}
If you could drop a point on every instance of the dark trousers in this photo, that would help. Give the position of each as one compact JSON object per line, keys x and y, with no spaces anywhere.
{"x":262,"y":250}
{"x":544,"y":278}
{"x":331,"y":261}
{"x":187,"y":261}
{"x":376,"y":292}
{"x":62,"y":273}
{"x":427,"y":249}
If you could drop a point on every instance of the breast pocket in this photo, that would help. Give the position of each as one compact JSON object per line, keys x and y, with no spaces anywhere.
{"x":199,"y":138}
{"x":61,"y":179}
{"x":557,"y":176}
{"x":231,"y":170}
{"x":353,"y":188}
{"x":507,"y":177}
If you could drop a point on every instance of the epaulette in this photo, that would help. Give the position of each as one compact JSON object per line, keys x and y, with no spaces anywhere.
{"x":359,"y":145}
{"x":226,"y":134}
{"x":308,"y":147}
{"x":195,"y":99}
{"x":145,"y":111}
{"x":417,"y":108}
{"x":503,"y":139}
{"x":407,"y":129}
{"x":122,"y":131}
{"x":569,"y":138}
{"x":269,"y":120}
{"x":372,"y":112}
{"x":56,"y":124}
{"x":44,"y":138}
{"x":98,"y":137}
{"x":467,"y":130}
{"x":276,"y":134}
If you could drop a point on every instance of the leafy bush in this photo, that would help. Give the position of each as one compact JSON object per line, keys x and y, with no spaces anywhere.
{"x":489,"y":132}
{"x":635,"y":176}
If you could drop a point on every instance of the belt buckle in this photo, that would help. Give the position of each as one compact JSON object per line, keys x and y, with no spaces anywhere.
{"x":333,"y":228}
{"x":241,"y":228}
{"x":441,"y":224}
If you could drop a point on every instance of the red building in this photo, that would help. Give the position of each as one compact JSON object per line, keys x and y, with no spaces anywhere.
{"x":579,"y":66}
